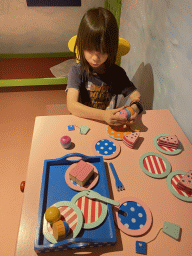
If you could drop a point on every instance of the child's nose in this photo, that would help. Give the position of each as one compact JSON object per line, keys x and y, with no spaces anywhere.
{"x":95,"y":57}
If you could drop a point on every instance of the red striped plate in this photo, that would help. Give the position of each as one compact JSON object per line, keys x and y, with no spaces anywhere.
{"x":155,"y":165}
{"x":94,"y":212}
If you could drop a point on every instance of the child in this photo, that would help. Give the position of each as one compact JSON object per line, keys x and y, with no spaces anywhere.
{"x":95,"y":82}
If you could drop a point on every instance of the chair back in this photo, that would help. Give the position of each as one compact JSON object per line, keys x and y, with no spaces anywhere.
{"x":123,"y":49}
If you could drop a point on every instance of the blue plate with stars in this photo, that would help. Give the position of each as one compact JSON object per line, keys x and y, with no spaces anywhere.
{"x":133,"y":216}
{"x":107,"y":148}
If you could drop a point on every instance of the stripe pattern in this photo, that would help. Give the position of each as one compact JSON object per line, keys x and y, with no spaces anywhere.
{"x":69,"y":215}
{"x":154,"y":164}
{"x":90,"y":208}
{"x":174,"y":183}
{"x":166,"y":148}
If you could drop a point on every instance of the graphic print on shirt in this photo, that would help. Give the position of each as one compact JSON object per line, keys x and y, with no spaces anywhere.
{"x":99,"y":95}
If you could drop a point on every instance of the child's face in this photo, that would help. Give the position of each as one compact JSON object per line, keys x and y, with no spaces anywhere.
{"x":95,"y":59}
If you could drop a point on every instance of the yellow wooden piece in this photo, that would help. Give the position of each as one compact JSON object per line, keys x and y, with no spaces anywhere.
{"x":123,"y":49}
{"x":131,"y":110}
{"x":59,"y":231}
{"x":52,"y":214}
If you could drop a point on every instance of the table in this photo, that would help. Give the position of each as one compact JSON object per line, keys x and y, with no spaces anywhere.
{"x":154,"y":192}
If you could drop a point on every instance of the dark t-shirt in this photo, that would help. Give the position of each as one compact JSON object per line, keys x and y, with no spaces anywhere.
{"x":100,"y":90}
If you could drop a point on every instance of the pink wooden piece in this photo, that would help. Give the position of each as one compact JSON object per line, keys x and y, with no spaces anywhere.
{"x":77,"y":169}
{"x":84,"y":175}
{"x":169,"y":141}
{"x":130,"y":139}
{"x":186,"y":182}
{"x":123,"y":113}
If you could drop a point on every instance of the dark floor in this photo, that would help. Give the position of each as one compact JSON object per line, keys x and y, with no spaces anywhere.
{"x":18,"y":109}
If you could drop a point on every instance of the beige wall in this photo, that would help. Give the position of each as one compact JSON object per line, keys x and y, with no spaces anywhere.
{"x":26,"y":29}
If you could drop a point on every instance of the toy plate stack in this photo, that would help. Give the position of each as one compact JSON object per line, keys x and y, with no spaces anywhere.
{"x":185,"y":183}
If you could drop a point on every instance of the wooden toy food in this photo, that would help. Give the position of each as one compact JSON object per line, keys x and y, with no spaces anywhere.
{"x":52,"y":214}
{"x":185,"y":183}
{"x":126,"y":112}
{"x":131,"y":139}
{"x":169,"y":141}
{"x":60,"y":230}
{"x":81,"y":173}
{"x":65,"y":141}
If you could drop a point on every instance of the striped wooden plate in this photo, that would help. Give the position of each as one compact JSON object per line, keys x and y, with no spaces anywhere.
{"x":94,"y":212}
{"x":155,"y":165}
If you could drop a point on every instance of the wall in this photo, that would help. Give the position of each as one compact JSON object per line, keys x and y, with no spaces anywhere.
{"x":160,"y":59}
{"x":39,"y":29}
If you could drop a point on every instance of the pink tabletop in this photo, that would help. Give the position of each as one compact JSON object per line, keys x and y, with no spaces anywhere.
{"x":154,"y":192}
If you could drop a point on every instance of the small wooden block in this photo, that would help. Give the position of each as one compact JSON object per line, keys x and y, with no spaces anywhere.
{"x":141,"y":247}
{"x":84,"y":175}
{"x":84,"y":129}
{"x":77,"y":169}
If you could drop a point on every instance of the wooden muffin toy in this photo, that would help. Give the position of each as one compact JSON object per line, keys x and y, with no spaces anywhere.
{"x":65,"y":141}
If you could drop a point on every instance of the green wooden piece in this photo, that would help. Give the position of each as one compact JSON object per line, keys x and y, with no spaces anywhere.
{"x":171,"y":229}
{"x":84,"y":129}
{"x":114,"y":6}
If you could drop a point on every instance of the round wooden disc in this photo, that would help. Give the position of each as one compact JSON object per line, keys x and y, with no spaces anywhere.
{"x":136,"y":218}
{"x":118,"y":132}
{"x":107,"y":148}
{"x":155,"y":165}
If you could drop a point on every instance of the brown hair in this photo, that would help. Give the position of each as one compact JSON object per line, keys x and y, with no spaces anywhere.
{"x":98,"y":31}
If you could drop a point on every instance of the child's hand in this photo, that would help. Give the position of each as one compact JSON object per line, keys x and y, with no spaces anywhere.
{"x":112,"y":118}
{"x":132,"y":119}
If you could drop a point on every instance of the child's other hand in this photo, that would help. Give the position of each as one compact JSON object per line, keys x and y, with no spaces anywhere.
{"x":112,"y":117}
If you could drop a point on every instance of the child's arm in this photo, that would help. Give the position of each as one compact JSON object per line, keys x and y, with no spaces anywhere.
{"x":135,"y":96}
{"x":81,"y":110}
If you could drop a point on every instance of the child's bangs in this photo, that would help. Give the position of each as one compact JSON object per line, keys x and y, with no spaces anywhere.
{"x":95,"y":42}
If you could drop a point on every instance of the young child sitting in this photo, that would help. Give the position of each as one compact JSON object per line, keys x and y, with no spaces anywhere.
{"x":95,"y":82}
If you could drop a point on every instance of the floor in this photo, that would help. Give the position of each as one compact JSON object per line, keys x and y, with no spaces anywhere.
{"x":18,"y":110}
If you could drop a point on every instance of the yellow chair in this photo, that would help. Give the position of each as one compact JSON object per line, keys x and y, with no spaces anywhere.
{"x":123,"y":49}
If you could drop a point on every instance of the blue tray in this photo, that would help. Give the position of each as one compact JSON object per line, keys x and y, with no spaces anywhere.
{"x":54,"y":189}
